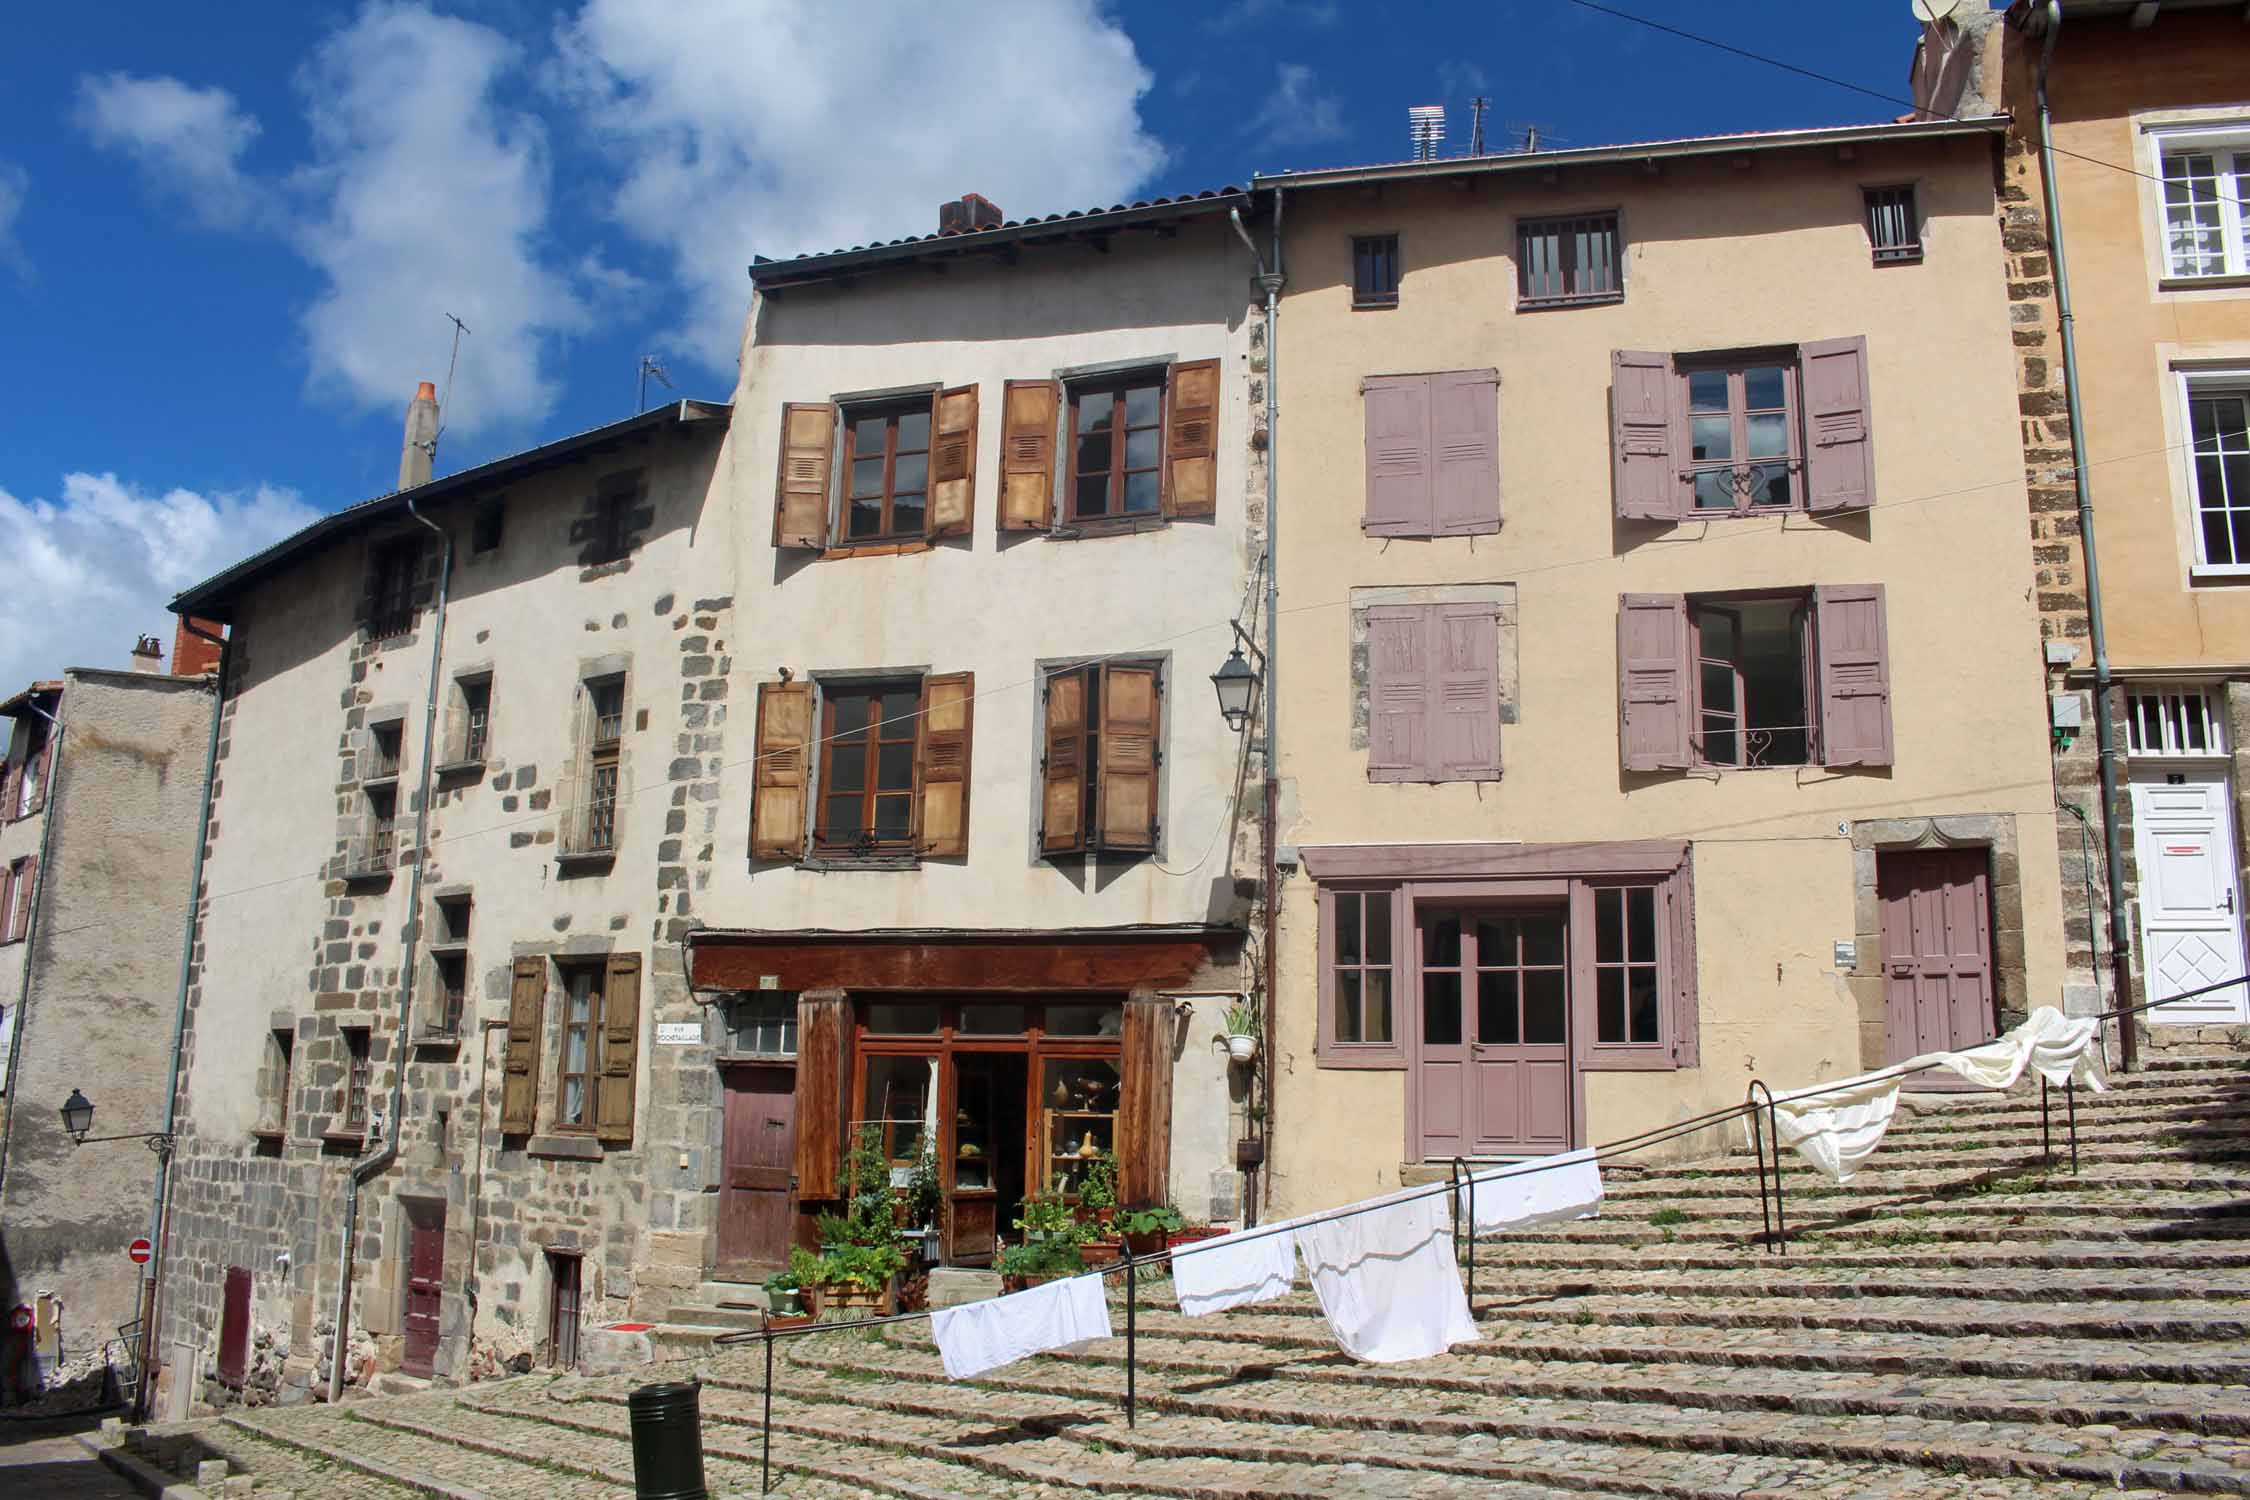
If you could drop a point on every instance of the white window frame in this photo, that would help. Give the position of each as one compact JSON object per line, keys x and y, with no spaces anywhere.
{"x":2205,"y":383}
{"x":2181,"y":711}
{"x":2228,"y":143}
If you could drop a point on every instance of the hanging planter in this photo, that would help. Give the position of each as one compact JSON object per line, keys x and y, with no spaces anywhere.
{"x":1242,"y":1031}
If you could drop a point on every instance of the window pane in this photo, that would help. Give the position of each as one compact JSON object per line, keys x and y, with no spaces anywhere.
{"x":1378,"y":1009}
{"x":1143,"y":405}
{"x":867,"y":436}
{"x":1609,"y":1005}
{"x":1378,"y":927}
{"x":1141,"y":448}
{"x":1543,"y":940}
{"x":1347,"y":907}
{"x":1347,"y":1005}
{"x":1543,"y":1007}
{"x":867,"y":476}
{"x":992,"y":1020}
{"x":894,"y":816}
{"x":1609,"y":926}
{"x":1707,"y":390}
{"x":847,"y":770}
{"x":851,"y":712}
{"x":1718,"y":687}
{"x":1769,"y":435}
{"x":2218,"y":546}
{"x":1718,"y":633}
{"x":842,"y":817}
{"x":899,"y":706}
{"x":894,"y":768}
{"x":901,"y":1100}
{"x":1084,"y":1020}
{"x":1714,"y":489}
{"x":865,"y":518}
{"x":1093,"y":454}
{"x":1713,"y":438}
{"x":1770,"y":485}
{"x":1141,"y":493}
{"x":1643,"y":986}
{"x":1762,"y":387}
{"x":1640,"y":905}
{"x":1093,"y":495}
{"x":574,"y":1048}
{"x":574,"y":1101}
{"x":1441,"y":1010}
{"x":1498,"y":939}
{"x":1094,"y":410}
{"x":913,"y":430}
{"x":1719,"y":746}
{"x":1496,"y":1009}
{"x":893,"y":1019}
{"x":906,"y":514}
{"x":910,"y":473}
{"x":1441,"y":941}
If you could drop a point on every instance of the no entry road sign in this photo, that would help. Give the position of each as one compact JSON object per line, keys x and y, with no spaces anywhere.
{"x":139,"y":1251}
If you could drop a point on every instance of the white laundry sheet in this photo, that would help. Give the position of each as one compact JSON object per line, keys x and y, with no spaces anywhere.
{"x":1840,"y":1126}
{"x":981,"y":1336}
{"x":1387,"y":1279}
{"x":1235,"y":1270}
{"x":1526,"y":1193}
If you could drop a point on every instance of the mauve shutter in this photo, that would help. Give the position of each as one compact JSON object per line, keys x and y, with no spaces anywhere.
{"x":1027,"y":454}
{"x":953,"y":463}
{"x":621,"y":1042}
{"x":781,"y":778}
{"x":519,"y":1090}
{"x":1839,"y":436}
{"x":1399,"y":497}
{"x":941,"y":764}
{"x":1465,"y":440}
{"x":808,"y":454}
{"x":1642,"y":436}
{"x":1855,"y":675}
{"x":1652,"y":682}
{"x":1398,"y":693}
{"x":1465,"y":698}
{"x":1191,"y":439}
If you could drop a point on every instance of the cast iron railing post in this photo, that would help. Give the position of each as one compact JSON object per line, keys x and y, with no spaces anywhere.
{"x":2070,"y":1103}
{"x":765,"y":1428}
{"x":1465,"y":1228}
{"x":1132,"y":1336}
{"x":1758,"y":1152}
{"x":2046,"y":1124}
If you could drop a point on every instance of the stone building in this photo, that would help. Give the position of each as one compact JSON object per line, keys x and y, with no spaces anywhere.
{"x":102,"y":788}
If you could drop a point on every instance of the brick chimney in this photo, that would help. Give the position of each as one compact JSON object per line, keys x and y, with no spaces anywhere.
{"x":968,"y":214}
{"x":148,"y":654}
{"x":192,"y":655}
{"x":419,"y":451}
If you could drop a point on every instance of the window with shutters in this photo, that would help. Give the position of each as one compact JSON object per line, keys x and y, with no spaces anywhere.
{"x":867,"y":767}
{"x":1742,"y":424}
{"x":1569,"y":262}
{"x":1433,"y":453}
{"x":582,"y":1041}
{"x":870,"y":769}
{"x":1753,"y":659}
{"x":1138,"y":447}
{"x":2218,"y":424}
{"x":1433,"y":692}
{"x":1116,"y":447}
{"x":1101,"y":758}
{"x":468,"y":735}
{"x":887,"y":481}
{"x":1894,"y":224}
{"x":2206,"y":221}
{"x":878,"y":472}
{"x":1375,"y":270}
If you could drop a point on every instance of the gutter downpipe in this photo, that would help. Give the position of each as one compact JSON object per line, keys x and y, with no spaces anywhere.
{"x":365,"y":1169}
{"x":159,"y":1225}
{"x":1272,"y":283}
{"x":2105,"y":735}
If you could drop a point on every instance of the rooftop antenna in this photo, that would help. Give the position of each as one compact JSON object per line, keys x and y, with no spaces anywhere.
{"x":1425,"y":127}
{"x":1477,"y":108}
{"x":445,"y":403}
{"x":649,"y":366}
{"x":1531,"y":135}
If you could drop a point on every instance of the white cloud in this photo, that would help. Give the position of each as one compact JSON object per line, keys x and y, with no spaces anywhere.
{"x":776,"y":128}
{"x":1245,"y":13}
{"x":1299,"y":111}
{"x":15,"y":186}
{"x":189,"y":141}
{"x":90,"y":572}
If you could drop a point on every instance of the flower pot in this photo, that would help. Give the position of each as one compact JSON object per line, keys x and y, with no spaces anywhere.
{"x":1179,"y":1237}
{"x":1241,"y":1046}
{"x":1021,"y":1283}
{"x":1149,"y":1242}
{"x":777,"y":1321}
{"x":785,"y":1301}
{"x":1100,"y":1252}
{"x":843,"y":1301}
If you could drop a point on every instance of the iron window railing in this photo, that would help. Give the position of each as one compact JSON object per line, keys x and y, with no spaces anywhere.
{"x":1893,"y":227}
{"x":1560,"y":262}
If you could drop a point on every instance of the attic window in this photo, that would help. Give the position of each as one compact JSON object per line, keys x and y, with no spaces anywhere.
{"x":1894,"y":229}
{"x":484,"y":535}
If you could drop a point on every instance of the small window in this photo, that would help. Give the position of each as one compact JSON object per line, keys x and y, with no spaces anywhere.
{"x":355,"y":1080}
{"x":1562,"y":262}
{"x":391,"y":589}
{"x":281,"y":1050}
{"x":451,"y":927}
{"x":889,"y":474}
{"x":2182,"y":722}
{"x":476,"y":718}
{"x":1083,"y":1020}
{"x":384,"y":742}
{"x":23,"y":887}
{"x":991,"y":1019}
{"x":484,"y":531}
{"x":2219,"y":439}
{"x":453,"y":991}
{"x":379,"y":846}
{"x":595,"y":831}
{"x":904,"y":1019}
{"x":1117,"y":447}
{"x":763,"y":1025}
{"x":867,"y":767}
{"x":2206,"y":224}
{"x":614,"y":504}
{"x":581,"y":1046}
{"x":1628,"y":998}
{"x":1753,"y":688}
{"x":1742,"y":435}
{"x":1894,"y":229}
{"x":1375,"y":270}
{"x":1359,"y":968}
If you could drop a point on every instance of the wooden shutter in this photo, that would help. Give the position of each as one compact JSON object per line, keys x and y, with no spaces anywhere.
{"x":1465,"y":447}
{"x":1027,"y":454}
{"x":621,"y":1048}
{"x":1398,"y":693}
{"x":1653,"y":682}
{"x":1678,"y":896}
{"x":1125,"y":800}
{"x":1191,"y":439}
{"x":808,"y":453}
{"x":953,"y":463}
{"x":1062,"y":816}
{"x":7,"y":922}
{"x":824,"y":1040}
{"x":781,"y":782}
{"x":1643,"y":436}
{"x":1839,"y":441}
{"x":1465,"y":692}
{"x":941,"y":763}
{"x":519,"y":1091}
{"x":1144,"y":1108}
{"x":1855,"y":675}
{"x":1399,"y":501}
{"x":27,"y":898}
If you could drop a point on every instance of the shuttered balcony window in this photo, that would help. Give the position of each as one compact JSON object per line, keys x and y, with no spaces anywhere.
{"x":1742,"y":436}
{"x":1117,"y":448}
{"x":889,"y":474}
{"x":867,"y":767}
{"x":1894,"y":228}
{"x":1565,"y":262}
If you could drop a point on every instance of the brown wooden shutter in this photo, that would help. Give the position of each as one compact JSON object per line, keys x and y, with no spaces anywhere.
{"x":519,"y":1091}
{"x":1465,"y":692}
{"x":1465,"y":449}
{"x":1062,"y":817}
{"x":27,"y":898}
{"x":1653,"y":682}
{"x":1144,"y":1108}
{"x":1644,"y":451}
{"x":824,"y":1041}
{"x":1027,"y":454}
{"x":1855,"y":675}
{"x":1399,"y":500}
{"x":781,"y":782}
{"x":621,"y":1048}
{"x":1191,"y":439}
{"x":7,"y":902}
{"x":953,"y":463}
{"x":941,"y":763}
{"x":1398,"y":693}
{"x":808,"y":454}
{"x":1839,"y":437}
{"x":1125,"y":799}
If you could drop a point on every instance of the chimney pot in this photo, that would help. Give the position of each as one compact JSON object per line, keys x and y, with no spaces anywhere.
{"x":968,"y":214}
{"x":148,"y":654}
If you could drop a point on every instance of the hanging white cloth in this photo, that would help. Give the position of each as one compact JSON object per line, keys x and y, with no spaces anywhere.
{"x":1235,"y":1270}
{"x":1841,"y":1126}
{"x":1387,"y":1279}
{"x":1522,"y":1194}
{"x":2059,"y":1049}
{"x":980,"y":1336}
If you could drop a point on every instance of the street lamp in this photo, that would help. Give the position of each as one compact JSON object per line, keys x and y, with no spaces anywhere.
{"x":1234,"y":681}
{"x":78,"y":1118}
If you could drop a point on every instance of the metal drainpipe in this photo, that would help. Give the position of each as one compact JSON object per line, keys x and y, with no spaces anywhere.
{"x":388,"y":1152}
{"x":2105,"y":735}
{"x":159,"y":1228}
{"x":31,"y":932}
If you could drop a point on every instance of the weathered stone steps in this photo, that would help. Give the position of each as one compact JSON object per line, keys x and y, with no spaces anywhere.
{"x":1823,"y":1256}
{"x":2060,"y":1201}
{"x":1504,"y":1281}
{"x":274,"y":1467}
{"x":1874,"y":1180}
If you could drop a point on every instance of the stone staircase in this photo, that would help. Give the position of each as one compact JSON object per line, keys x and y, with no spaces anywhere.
{"x":1963,"y":1319}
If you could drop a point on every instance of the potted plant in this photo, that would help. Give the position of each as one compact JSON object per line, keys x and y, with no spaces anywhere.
{"x":1188,"y":1234}
{"x":856,"y":1281}
{"x":785,"y":1288}
{"x":860,"y":1252}
{"x":1045,"y":1216}
{"x":1242,"y":1031}
{"x":1097,"y":1209}
{"x":1144,"y":1229}
{"x":1029,"y":1264}
{"x":925,"y":1199}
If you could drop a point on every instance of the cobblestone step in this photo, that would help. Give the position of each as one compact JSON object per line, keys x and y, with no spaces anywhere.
{"x":2164,"y":1260}
{"x":1504,"y":1280}
{"x":402,"y":1447}
{"x":2056,"y":1176}
{"x":2060,"y":1201}
{"x":1980,"y":1153}
{"x":276,"y":1467}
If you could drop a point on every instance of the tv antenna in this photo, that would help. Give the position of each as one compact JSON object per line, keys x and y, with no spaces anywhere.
{"x":1531,"y":135}
{"x":1477,"y":108}
{"x":445,"y":403}
{"x":1425,"y":128}
{"x":649,"y":366}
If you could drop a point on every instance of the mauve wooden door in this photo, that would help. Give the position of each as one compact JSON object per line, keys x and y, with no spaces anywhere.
{"x":761,"y":1144}
{"x":1937,"y":949}
{"x":1492,"y":1054}
{"x":425,"y":1286}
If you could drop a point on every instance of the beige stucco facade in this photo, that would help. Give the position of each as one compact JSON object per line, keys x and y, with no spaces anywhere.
{"x":1731,"y":250}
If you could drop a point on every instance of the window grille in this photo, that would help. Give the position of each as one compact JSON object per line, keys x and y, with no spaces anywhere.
{"x":1893,"y":227}
{"x":2181,"y":722}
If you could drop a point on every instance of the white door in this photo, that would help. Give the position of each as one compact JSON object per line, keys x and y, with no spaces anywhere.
{"x":2190,"y":934}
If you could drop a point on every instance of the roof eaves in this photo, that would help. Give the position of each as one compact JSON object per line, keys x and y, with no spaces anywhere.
{"x":12,"y":708}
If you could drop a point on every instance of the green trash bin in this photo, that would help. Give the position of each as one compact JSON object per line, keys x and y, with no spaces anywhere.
{"x":668,"y":1442}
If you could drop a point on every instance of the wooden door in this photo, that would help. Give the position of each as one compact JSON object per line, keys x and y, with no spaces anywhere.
{"x":562,"y":1310}
{"x":1937,"y":950}
{"x":761,"y":1145}
{"x":2191,"y":933}
{"x":425,"y":1285}
{"x":1492,"y":1043}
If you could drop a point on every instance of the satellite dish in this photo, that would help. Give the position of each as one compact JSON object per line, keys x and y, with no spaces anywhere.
{"x":1930,"y":12}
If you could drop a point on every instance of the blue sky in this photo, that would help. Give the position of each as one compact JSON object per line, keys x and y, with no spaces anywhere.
{"x":229,"y":236}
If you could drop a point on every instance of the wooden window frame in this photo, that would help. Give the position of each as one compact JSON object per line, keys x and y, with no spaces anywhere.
{"x":1808,"y":668}
{"x":1375,"y":271}
{"x":359,"y":1076}
{"x":604,"y":755}
{"x":386,"y":748}
{"x":863,"y":842}
{"x":1735,"y":364}
{"x":887,"y":413}
{"x":476,"y":716}
{"x":381,"y":798}
{"x":1564,"y":230}
{"x":1115,"y":384}
{"x":395,"y":567}
{"x":1892,"y":214}
{"x":1332,"y":1050}
{"x":595,"y":974}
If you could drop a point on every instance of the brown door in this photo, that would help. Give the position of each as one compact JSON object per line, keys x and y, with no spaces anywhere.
{"x":761,"y":1142}
{"x":1492,"y":1052}
{"x":1937,"y":951}
{"x":425,"y":1283}
{"x":562,"y":1310}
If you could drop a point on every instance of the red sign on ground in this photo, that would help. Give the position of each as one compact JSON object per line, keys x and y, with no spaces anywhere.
{"x":139,"y":1251}
{"x":21,"y":1318}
